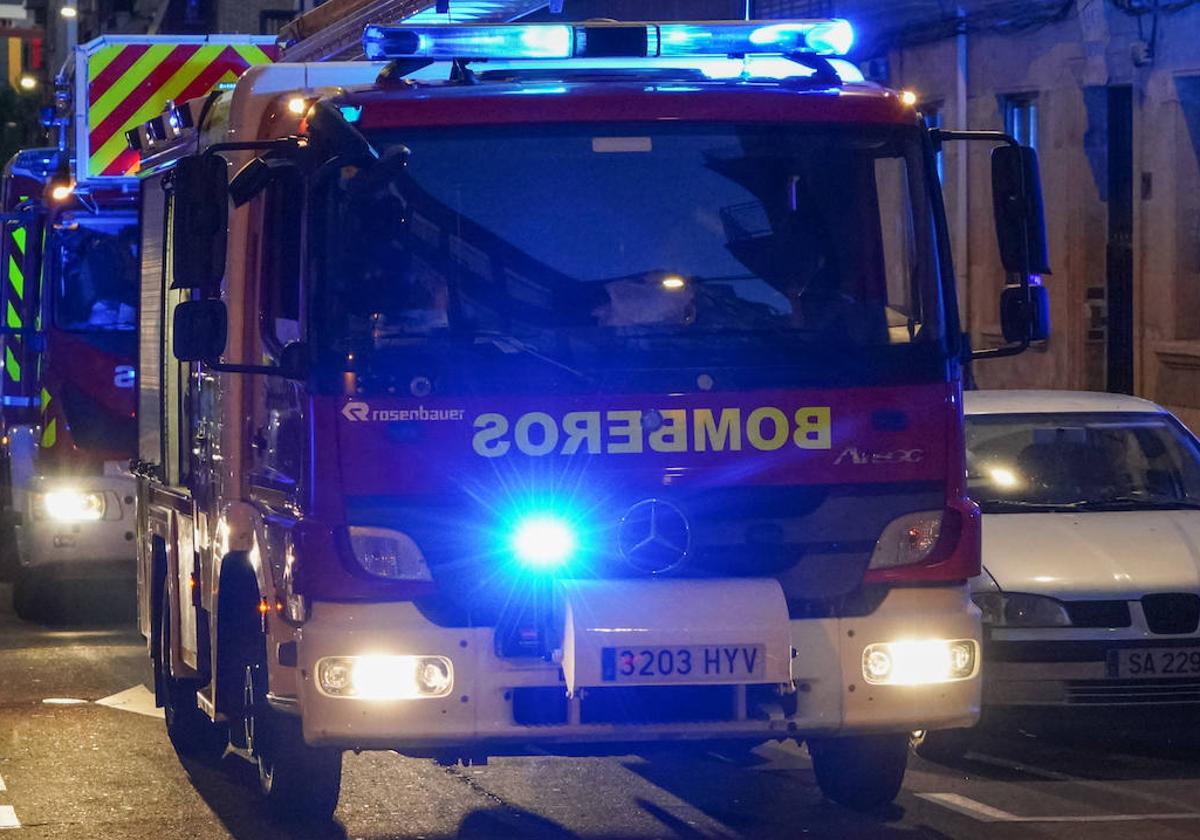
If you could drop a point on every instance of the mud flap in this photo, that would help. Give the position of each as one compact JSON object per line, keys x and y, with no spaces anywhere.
{"x":637,"y":632}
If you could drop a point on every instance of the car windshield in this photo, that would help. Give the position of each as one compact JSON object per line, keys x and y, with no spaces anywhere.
{"x":581,"y":242}
{"x":95,"y":274}
{"x":1081,"y":462}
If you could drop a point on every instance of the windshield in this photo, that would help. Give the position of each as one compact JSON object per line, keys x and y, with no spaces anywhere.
{"x":594,"y":244}
{"x":95,"y":274}
{"x":1080,"y":461}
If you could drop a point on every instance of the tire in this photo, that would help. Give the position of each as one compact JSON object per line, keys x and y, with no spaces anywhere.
{"x":191,"y":732}
{"x":943,"y":746}
{"x":864,"y":772}
{"x":296,"y":781}
{"x":30,"y":596}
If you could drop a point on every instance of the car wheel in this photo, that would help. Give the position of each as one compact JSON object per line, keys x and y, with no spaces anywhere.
{"x":296,"y":781}
{"x":191,"y":732}
{"x":863,"y":772}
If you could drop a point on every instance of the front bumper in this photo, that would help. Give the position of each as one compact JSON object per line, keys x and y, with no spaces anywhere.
{"x":86,"y":550}
{"x":1075,"y":672}
{"x":827,"y":695}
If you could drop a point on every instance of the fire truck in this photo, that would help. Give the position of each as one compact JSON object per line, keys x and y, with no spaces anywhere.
{"x":70,"y":251}
{"x":571,"y":388}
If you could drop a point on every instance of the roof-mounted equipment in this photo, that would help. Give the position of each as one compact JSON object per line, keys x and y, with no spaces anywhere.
{"x":824,"y":37}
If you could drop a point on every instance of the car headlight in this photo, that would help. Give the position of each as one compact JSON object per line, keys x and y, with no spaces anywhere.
{"x":70,"y":506}
{"x":1017,"y":609}
{"x":907,"y":539}
{"x":388,"y":554}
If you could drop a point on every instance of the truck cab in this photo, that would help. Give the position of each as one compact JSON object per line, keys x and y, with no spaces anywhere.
{"x":69,"y":345}
{"x":561,"y":388}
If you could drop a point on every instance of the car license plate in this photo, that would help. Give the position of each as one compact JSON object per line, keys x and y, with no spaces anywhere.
{"x":689,"y":664}
{"x":1156,"y":663}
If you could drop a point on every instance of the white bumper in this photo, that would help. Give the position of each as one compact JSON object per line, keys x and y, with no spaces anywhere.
{"x":81,"y":550}
{"x":827,"y":694}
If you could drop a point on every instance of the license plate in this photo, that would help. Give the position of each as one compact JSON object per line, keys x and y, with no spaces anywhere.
{"x":1156,"y":663}
{"x":690,"y":664}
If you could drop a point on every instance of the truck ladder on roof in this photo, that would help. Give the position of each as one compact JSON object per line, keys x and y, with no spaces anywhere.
{"x":333,"y":30}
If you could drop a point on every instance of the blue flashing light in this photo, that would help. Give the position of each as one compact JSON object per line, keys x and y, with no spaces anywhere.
{"x":468,"y":41}
{"x":544,"y":542}
{"x":351,"y":113}
{"x":831,"y":37}
{"x":608,"y":40}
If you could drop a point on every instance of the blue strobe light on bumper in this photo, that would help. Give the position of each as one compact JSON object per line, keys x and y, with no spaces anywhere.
{"x":544,"y":542}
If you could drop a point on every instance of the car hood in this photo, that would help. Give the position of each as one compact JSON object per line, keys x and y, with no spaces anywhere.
{"x":1101,"y":555}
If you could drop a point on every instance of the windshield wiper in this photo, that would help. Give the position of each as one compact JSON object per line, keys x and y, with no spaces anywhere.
{"x":1020,"y":505}
{"x":512,"y":345}
{"x":1136,"y":503}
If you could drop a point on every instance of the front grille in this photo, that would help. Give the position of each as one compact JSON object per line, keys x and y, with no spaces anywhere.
{"x":627,"y":706}
{"x":1131,"y":692}
{"x":1172,"y":613}
{"x":1107,"y":614}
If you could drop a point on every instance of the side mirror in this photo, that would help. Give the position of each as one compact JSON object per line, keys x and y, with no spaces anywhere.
{"x":200,"y":190}
{"x":293,"y":361}
{"x":199,"y":330}
{"x":1017,"y":203}
{"x":256,"y":176}
{"x":1021,"y":317}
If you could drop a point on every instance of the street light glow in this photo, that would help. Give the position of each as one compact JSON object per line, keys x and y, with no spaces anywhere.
{"x":27,"y":82}
{"x":69,"y":12}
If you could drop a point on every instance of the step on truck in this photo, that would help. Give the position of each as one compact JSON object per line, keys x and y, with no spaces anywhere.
{"x":561,"y":388}
{"x":69,"y":297}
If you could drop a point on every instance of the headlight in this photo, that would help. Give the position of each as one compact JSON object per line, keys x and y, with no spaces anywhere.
{"x":378,"y":677}
{"x":1015,"y":609}
{"x":71,"y":506}
{"x":907,"y":539}
{"x":923,"y":662}
{"x":388,"y":554}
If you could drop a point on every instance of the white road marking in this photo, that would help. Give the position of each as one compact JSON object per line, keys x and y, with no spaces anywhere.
{"x":2,"y":787}
{"x":1056,"y":776}
{"x":986,"y":813}
{"x":968,"y":806}
{"x":138,"y":700}
{"x":8,"y":817}
{"x":64,"y":701}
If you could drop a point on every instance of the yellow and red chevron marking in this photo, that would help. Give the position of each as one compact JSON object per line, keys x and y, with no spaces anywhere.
{"x":129,"y":84}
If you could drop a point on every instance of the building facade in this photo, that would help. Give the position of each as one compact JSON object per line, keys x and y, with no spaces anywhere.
{"x":1109,"y":93}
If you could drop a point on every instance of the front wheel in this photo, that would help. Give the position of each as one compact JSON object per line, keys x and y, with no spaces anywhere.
{"x":296,"y":780}
{"x":863,"y":772}
{"x":192,"y":734}
{"x":29,"y":595}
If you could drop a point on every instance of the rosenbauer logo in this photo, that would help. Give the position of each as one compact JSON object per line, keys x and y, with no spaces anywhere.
{"x":361,"y":412}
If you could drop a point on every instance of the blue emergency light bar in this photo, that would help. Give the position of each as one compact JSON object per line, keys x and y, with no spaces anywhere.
{"x":608,"y":40}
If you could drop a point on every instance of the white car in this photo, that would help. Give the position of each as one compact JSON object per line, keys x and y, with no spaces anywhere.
{"x":1091,"y":549}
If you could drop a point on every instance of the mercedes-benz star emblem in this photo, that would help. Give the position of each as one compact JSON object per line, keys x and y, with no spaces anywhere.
{"x":654,"y":536}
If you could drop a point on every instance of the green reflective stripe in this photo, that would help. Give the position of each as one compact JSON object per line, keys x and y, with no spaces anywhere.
{"x":44,"y":400}
{"x":19,"y":238}
{"x":11,"y":366}
{"x":50,"y":435}
{"x":14,"y":320}
{"x":16,"y":276}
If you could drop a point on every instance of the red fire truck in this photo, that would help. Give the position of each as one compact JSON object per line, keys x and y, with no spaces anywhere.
{"x":561,"y":387}
{"x":70,"y":300}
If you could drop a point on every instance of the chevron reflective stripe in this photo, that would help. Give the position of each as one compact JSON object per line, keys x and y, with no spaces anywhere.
{"x":130,"y":84}
{"x":49,"y":428}
{"x":15,"y":296}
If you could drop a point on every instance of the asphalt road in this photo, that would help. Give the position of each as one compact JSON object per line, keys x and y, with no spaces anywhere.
{"x":86,"y":769}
